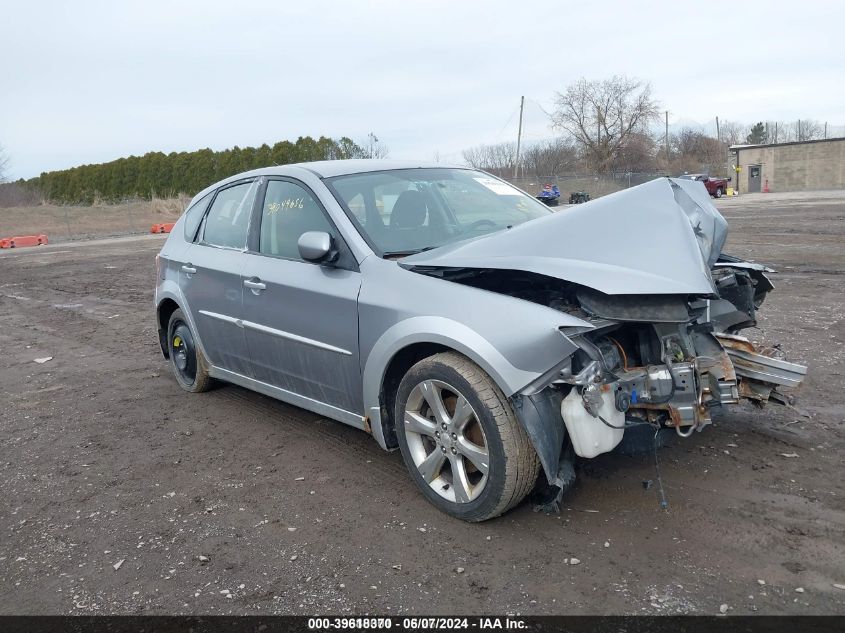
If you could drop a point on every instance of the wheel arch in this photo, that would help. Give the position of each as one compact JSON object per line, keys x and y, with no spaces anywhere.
{"x":168,"y":298}
{"x":408,"y":342}
{"x":165,"y":309}
{"x":396,"y":369}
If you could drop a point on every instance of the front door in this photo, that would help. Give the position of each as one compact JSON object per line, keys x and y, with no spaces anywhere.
{"x":754,"y":177}
{"x":211,"y":277}
{"x":301,"y":318}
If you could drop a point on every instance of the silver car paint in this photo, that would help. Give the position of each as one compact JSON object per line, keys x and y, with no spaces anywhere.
{"x":400,"y":308}
{"x":709,"y":226}
{"x":617,"y":244}
{"x":302,"y":328}
{"x":214,"y":299}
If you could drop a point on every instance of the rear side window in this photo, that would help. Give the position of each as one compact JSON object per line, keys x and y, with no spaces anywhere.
{"x":227,"y":222}
{"x":193,"y":217}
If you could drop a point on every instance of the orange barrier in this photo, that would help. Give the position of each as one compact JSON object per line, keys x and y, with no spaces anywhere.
{"x":162,"y":228}
{"x":24,"y":240}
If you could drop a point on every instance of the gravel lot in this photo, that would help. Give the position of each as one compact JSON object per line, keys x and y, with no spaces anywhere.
{"x":123,"y":494}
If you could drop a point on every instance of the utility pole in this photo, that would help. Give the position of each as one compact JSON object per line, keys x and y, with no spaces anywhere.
{"x":667,"y":140}
{"x":727,"y":149}
{"x":519,"y":137}
{"x":825,"y":129}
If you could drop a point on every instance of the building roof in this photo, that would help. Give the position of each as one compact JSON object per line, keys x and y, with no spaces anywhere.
{"x":818,"y":140}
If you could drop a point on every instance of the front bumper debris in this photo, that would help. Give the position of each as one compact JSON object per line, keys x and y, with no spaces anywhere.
{"x":760,"y":373}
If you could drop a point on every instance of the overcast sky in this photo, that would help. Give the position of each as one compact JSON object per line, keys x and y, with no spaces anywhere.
{"x":86,"y":82}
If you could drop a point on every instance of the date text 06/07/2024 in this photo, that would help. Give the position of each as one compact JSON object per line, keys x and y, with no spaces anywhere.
{"x":416,"y":623}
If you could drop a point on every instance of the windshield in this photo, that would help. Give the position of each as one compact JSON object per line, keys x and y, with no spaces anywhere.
{"x":405,"y":211}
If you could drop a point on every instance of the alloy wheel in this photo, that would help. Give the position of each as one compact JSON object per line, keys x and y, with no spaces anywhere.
{"x":446,"y":441}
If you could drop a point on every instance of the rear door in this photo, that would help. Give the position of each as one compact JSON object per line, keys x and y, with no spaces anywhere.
{"x":211,"y":276}
{"x":301,"y":318}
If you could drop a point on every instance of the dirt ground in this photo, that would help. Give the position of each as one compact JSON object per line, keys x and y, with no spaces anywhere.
{"x":123,"y":494}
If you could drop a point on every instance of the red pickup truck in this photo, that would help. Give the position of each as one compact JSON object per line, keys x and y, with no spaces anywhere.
{"x":715,"y":186}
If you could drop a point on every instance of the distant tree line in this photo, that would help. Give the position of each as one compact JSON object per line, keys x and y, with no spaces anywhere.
{"x":163,"y":175}
{"x":614,"y":127}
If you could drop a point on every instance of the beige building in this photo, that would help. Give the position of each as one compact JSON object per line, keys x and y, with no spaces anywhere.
{"x":800,"y":166}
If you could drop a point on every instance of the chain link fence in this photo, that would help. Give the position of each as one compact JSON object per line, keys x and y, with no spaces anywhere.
{"x":593,"y":184}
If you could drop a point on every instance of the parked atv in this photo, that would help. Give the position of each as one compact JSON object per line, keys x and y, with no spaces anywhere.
{"x":549,"y":195}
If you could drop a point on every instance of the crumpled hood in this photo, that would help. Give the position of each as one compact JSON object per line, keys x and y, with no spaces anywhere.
{"x":661,"y":237}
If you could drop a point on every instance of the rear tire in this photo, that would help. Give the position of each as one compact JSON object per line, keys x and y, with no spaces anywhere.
{"x":467,"y":452}
{"x":718,"y":193}
{"x":186,"y":360}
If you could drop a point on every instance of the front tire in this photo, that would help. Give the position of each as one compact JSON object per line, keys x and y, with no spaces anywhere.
{"x":186,"y":360}
{"x":718,"y":192}
{"x":460,"y":439}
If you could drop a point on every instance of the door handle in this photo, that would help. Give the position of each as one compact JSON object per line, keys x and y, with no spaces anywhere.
{"x":188,"y":269}
{"x":254,"y":285}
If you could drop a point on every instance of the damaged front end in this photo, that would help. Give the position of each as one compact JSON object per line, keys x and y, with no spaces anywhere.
{"x":660,"y":361}
{"x":664,"y":345}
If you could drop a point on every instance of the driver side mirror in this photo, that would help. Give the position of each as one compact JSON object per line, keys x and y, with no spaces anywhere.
{"x":316,"y":246}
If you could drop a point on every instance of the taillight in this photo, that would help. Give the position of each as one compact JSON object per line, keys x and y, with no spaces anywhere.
{"x":159,"y":272}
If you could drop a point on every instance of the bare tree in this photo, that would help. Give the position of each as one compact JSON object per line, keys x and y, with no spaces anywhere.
{"x":638,"y":155}
{"x":16,"y":194}
{"x":603,"y":115}
{"x":4,"y":165}
{"x":374,"y":148}
{"x":733,"y":132}
{"x":694,"y":151}
{"x":800,"y":130}
{"x":498,"y":159}
{"x":474,"y":156}
{"x":550,"y":158}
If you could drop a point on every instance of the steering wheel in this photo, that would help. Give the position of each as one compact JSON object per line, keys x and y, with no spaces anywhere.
{"x":480,"y":223}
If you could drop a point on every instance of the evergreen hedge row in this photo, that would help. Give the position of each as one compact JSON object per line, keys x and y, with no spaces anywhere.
{"x":164,"y":175}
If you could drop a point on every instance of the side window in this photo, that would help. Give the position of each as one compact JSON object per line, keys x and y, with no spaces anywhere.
{"x":193,"y":216}
{"x":227,"y":222}
{"x":289,"y":211}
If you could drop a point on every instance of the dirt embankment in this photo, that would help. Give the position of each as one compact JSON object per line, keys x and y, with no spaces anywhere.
{"x":62,"y":223}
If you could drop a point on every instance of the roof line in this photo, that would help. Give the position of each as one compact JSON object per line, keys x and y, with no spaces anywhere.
{"x":815,"y":140}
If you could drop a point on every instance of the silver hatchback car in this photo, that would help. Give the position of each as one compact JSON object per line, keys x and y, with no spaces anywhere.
{"x":458,"y":319}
